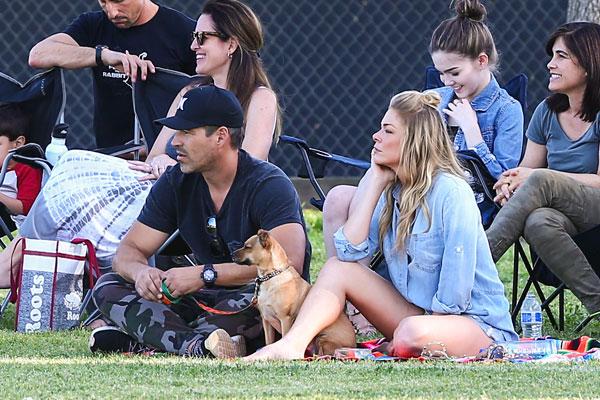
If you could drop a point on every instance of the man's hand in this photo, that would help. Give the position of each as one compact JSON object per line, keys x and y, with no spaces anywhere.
{"x":147,"y":283}
{"x":184,"y":280}
{"x":128,"y":63}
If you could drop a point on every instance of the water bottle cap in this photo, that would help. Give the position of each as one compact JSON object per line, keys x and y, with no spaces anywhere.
{"x":60,"y":131}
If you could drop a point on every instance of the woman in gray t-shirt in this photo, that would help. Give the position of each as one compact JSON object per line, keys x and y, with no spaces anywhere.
{"x":555,"y":192}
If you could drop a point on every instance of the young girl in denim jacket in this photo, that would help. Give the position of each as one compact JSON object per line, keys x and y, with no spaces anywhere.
{"x":484,"y":117}
{"x":415,"y":205}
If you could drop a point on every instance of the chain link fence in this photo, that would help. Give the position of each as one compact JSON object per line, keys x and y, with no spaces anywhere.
{"x":334,"y":63}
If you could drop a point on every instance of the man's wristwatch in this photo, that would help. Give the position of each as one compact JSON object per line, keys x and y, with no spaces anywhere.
{"x":99,"y":49}
{"x":209,"y":275}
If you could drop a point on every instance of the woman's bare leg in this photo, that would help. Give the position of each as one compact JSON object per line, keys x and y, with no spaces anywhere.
{"x":375,"y":297}
{"x":460,"y":335}
{"x":5,"y":262}
{"x":335,"y":214}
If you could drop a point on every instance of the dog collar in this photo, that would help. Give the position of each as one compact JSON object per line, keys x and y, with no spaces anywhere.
{"x":264,"y":278}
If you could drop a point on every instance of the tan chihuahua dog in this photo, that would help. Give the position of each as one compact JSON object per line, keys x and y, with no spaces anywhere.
{"x":282,"y":292}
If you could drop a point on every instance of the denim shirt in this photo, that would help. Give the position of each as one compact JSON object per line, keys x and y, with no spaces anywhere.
{"x":500,"y":119}
{"x":446,"y":267}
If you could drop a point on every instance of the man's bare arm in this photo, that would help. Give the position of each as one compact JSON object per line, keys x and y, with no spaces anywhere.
{"x":61,"y":50}
{"x":293,"y":240}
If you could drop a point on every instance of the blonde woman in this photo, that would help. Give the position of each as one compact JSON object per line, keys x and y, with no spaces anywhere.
{"x":415,"y":205}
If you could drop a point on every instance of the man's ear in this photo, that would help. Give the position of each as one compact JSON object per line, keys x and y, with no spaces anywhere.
{"x":223,"y":134}
{"x":20,"y":141}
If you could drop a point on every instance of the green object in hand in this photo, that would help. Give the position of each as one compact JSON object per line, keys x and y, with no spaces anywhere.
{"x":168,"y":298}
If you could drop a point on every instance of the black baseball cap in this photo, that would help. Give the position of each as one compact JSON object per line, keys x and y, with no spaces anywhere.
{"x":206,"y":106}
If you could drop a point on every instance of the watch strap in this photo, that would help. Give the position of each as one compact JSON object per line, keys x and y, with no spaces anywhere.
{"x":99,"y":49}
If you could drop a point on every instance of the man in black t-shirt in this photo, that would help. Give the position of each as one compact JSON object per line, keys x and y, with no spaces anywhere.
{"x":217,"y":196}
{"x":122,"y":43}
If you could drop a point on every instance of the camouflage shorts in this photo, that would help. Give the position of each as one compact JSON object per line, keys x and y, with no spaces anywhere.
{"x":172,"y":328}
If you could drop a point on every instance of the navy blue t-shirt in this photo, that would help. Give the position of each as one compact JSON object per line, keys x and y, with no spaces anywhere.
{"x":261,"y":197}
{"x":164,"y":40}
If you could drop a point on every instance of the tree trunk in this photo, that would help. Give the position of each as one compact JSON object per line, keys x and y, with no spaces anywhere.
{"x":584,"y":10}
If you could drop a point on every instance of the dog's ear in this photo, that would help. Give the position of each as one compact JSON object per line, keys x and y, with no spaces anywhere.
{"x":263,"y":237}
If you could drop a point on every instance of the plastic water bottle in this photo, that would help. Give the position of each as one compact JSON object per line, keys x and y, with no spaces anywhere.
{"x":531,"y":317}
{"x":531,"y":348}
{"x":57,"y":146}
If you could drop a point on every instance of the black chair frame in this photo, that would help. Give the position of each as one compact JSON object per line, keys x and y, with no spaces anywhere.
{"x":538,"y":273}
{"x":324,"y":157}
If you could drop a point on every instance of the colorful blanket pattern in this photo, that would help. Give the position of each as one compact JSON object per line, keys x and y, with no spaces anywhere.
{"x":577,"y":350}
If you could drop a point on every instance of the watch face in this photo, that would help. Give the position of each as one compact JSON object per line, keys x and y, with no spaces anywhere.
{"x":208,"y":275}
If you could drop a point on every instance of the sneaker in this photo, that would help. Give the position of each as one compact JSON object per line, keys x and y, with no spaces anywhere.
{"x":221,"y":345}
{"x":110,"y":339}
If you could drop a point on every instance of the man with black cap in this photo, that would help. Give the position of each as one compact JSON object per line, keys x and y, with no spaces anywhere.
{"x":217,"y":196}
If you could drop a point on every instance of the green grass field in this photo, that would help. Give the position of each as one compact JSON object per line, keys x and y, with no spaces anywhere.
{"x":59,"y":365}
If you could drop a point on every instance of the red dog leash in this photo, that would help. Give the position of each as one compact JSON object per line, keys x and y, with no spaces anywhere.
{"x":169,"y":299}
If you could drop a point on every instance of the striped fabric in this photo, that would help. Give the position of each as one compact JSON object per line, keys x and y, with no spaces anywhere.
{"x":89,"y":195}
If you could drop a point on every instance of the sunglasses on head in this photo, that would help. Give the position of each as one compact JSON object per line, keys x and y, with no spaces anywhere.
{"x":217,"y":248}
{"x":200,"y":37}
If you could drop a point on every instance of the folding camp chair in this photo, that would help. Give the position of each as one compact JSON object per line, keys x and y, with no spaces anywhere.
{"x":539,"y":273}
{"x":517,"y":88}
{"x":153,"y":97}
{"x":314,"y":163}
{"x":151,"y":100}
{"x":42,"y":97}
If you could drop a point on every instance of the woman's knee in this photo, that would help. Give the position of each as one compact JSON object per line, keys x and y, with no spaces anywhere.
{"x":410,"y":336}
{"x":332,"y":267}
{"x":339,"y":273}
{"x":337,"y":203}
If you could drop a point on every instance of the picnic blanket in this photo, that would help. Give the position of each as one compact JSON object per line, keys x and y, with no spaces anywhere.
{"x":580,"y":349}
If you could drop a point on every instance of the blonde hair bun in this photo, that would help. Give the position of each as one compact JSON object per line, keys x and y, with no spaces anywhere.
{"x":431,"y":98}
